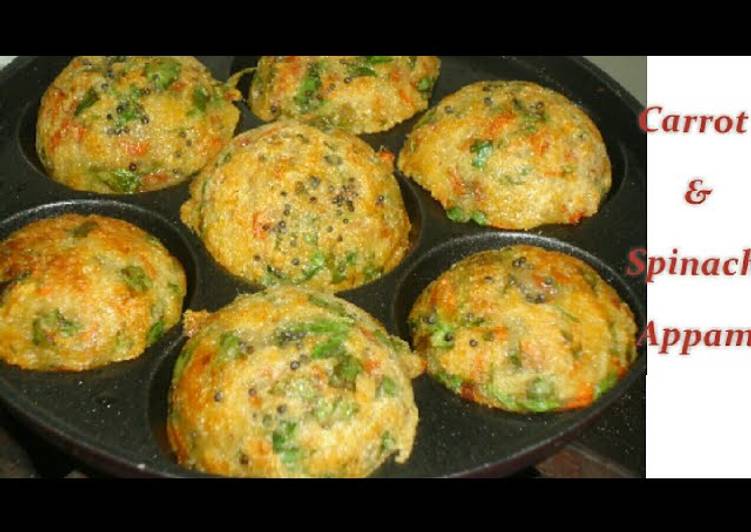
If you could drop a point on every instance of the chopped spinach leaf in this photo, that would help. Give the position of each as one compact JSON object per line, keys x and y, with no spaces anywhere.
{"x":482,"y":149}
{"x":136,"y":278}
{"x":163,"y":72}
{"x":155,"y":332}
{"x":308,"y":98}
{"x":230,"y":346}
{"x":331,"y":347}
{"x":47,"y":325}
{"x":378,"y":59}
{"x":457,"y":214}
{"x":84,"y":229}
{"x":89,"y":99}
{"x":606,"y":384}
{"x":425,"y":85}
{"x":345,"y":372}
{"x":442,"y":335}
{"x":120,"y":180}
{"x":200,"y":98}
{"x":387,"y":387}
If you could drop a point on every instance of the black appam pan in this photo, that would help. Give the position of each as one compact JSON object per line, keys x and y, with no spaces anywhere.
{"x":113,"y":418}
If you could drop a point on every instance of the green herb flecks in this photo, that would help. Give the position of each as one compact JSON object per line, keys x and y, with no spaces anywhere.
{"x":574,"y":346}
{"x":310,"y":238}
{"x":273,"y":277}
{"x":84,"y":229}
{"x":89,"y":99}
{"x":163,"y":72}
{"x":532,"y":115}
{"x":479,"y":218}
{"x":359,"y":70}
{"x":283,"y":443}
{"x":452,"y":382}
{"x":540,"y":396}
{"x":345,"y":372}
{"x":135,"y":278}
{"x":606,"y":384}
{"x":46,"y":326}
{"x":123,"y":342}
{"x":200,"y":98}
{"x":566,"y":314}
{"x":363,"y":65}
{"x":315,"y":264}
{"x":224,"y":159}
{"x":184,"y":357}
{"x":590,"y":277}
{"x":156,"y":331}
{"x":339,"y":268}
{"x":230,"y":346}
{"x":514,"y":354}
{"x":301,"y":388}
{"x":327,"y":413}
{"x":121,"y":180}
{"x":128,"y":109}
{"x":442,"y":334}
{"x":330,"y":348}
{"x":425,"y":86}
{"x":388,"y":341}
{"x":459,"y":215}
{"x":482,"y":150}
{"x":298,"y":331}
{"x":372,"y":272}
{"x":506,"y":400}
{"x":378,"y":59}
{"x":308,"y":98}
{"x":428,"y":118}
{"x":333,"y":306}
{"x":387,"y":387}
{"x":388,"y":443}
{"x":176,"y":289}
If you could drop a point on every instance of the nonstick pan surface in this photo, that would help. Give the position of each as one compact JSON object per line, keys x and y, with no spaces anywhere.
{"x":114,"y":417}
